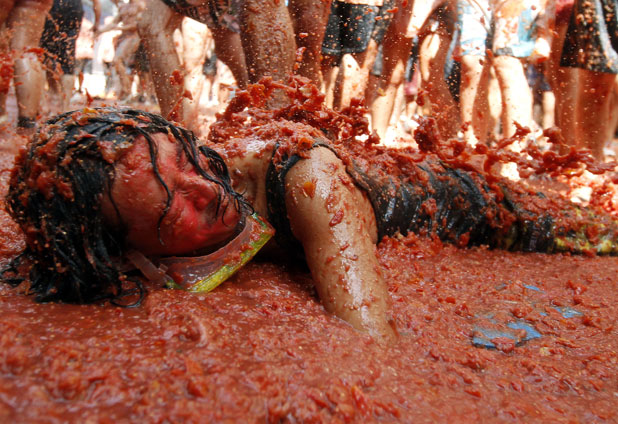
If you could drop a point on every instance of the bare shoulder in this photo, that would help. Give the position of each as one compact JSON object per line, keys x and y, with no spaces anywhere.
{"x":248,"y":160}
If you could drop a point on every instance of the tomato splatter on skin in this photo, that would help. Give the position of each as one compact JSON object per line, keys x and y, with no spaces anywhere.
{"x":177,"y":78}
{"x":309,"y":189}
{"x":261,"y":347}
{"x":337,"y":218}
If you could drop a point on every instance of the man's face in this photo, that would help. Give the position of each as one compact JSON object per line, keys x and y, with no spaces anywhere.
{"x":193,"y":221}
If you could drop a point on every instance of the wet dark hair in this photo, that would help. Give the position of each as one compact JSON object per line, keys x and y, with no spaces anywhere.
{"x":56,"y":191}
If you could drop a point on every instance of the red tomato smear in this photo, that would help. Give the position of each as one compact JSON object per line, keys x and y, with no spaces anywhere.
{"x":261,"y":348}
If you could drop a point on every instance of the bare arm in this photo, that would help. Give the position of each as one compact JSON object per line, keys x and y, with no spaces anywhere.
{"x":96,"y":8}
{"x":335,"y":223}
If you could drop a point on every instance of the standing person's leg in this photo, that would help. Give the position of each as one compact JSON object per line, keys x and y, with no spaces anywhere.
{"x":409,"y":18}
{"x":354,"y":74}
{"x":268,"y":39}
{"x":516,"y":94}
{"x":396,"y":49}
{"x":156,"y":26}
{"x":229,"y":50}
{"x":194,"y":53}
{"x":26,"y":21}
{"x":548,"y":104}
{"x":70,"y":25}
{"x":591,"y":45}
{"x":330,"y":70}
{"x":566,"y":100}
{"x":593,"y":110}
{"x":50,"y":42}
{"x":331,"y":51}
{"x":393,"y":71}
{"x":563,"y":81}
{"x":362,"y":30}
{"x":474,"y":20}
{"x":473,"y":101}
{"x":514,"y":39}
{"x":309,"y":18}
{"x":494,"y":105}
{"x":124,"y":53}
{"x":432,"y":58}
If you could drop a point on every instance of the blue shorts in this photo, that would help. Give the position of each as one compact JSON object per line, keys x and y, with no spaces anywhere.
{"x":481,"y":29}
{"x":474,"y":29}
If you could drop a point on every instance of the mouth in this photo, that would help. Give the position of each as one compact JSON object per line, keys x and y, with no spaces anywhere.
{"x":226,"y":218}
{"x":202,"y":273}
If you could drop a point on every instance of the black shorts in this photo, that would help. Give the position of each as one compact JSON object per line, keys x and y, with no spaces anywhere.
{"x":349,"y":28}
{"x":592,"y":37}
{"x":60,"y":35}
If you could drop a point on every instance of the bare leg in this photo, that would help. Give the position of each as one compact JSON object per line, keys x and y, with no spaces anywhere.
{"x":549,"y":107}
{"x":593,"y":110}
{"x":124,"y":52}
{"x":268,"y":41}
{"x":229,"y":50}
{"x":330,"y":71}
{"x":350,"y":288}
{"x":494,"y":102}
{"x":473,"y":98}
{"x":411,"y":15}
{"x":194,"y":52}
{"x":433,"y":51}
{"x":566,"y":100}
{"x":346,"y":81}
{"x":398,"y":106}
{"x":309,"y":18}
{"x":516,"y":94}
{"x":156,"y":26}
{"x":396,"y":50}
{"x":354,"y":78}
{"x":563,"y":82}
{"x":26,"y":21}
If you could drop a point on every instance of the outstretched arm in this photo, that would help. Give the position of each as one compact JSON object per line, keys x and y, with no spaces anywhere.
{"x":335,"y":223}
